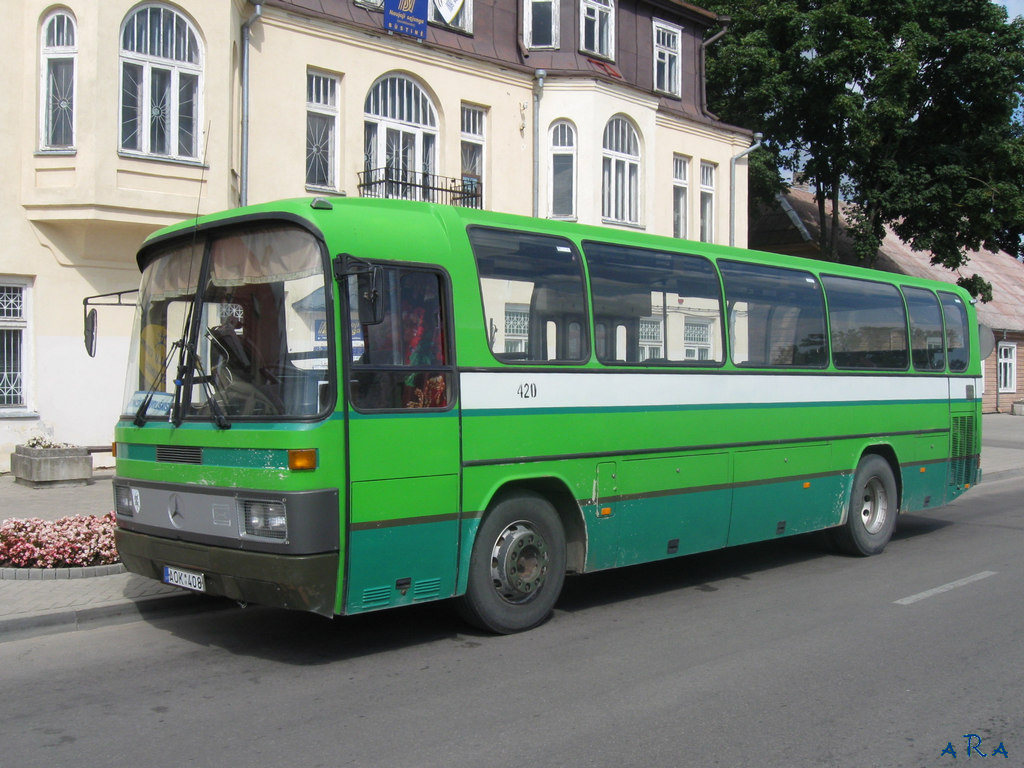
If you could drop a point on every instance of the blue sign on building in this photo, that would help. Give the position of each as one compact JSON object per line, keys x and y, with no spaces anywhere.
{"x":407,"y":17}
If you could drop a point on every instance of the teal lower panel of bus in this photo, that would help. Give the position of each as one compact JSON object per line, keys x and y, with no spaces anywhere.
{"x":401,"y":565}
{"x":769,"y":510}
{"x":640,"y":530}
{"x":924,"y":485}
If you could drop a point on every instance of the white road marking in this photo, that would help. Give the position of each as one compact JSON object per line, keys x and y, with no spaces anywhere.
{"x":944,"y":588}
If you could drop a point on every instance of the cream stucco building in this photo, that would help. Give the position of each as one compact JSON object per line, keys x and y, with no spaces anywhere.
{"x":118,"y":117}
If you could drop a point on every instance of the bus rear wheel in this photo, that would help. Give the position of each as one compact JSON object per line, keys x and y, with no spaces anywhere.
{"x":517,"y":566}
{"x":871,"y":518}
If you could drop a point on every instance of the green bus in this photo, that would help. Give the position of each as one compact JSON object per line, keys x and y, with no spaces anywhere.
{"x":344,"y":405}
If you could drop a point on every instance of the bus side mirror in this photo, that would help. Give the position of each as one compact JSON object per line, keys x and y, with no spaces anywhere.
{"x":90,"y":332}
{"x":986,"y":340}
{"x":370,"y":288}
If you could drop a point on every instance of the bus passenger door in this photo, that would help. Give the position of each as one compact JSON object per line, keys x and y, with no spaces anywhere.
{"x":403,"y":440}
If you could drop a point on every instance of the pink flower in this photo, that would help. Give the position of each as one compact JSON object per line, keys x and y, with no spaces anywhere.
{"x":79,"y":540}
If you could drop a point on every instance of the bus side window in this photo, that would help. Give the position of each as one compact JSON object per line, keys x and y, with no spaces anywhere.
{"x":656,"y":307}
{"x":927,"y":347}
{"x":868,"y":324}
{"x":955,"y":314}
{"x":776,"y":316}
{"x":533,"y":296}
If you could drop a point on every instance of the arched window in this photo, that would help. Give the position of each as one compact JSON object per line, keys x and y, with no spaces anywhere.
{"x":161,"y":84}
{"x":399,"y":140}
{"x":620,"y":179}
{"x":563,"y":170}
{"x":59,"y":51}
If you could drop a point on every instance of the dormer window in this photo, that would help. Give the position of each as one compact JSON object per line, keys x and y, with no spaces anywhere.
{"x":597,"y":27}
{"x":540,"y":23}
{"x":667,"y":54}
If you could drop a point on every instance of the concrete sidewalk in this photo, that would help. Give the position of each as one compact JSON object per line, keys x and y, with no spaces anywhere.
{"x":41,"y":606}
{"x":67,"y":599}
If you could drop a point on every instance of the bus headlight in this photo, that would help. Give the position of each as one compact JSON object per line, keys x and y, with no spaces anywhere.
{"x":266,"y":519}
{"x":125,"y":501}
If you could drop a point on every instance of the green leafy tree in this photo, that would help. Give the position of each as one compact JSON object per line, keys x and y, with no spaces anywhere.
{"x":905,"y":108}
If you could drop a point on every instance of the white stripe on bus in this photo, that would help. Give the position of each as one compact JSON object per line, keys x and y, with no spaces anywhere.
{"x":532,"y":389}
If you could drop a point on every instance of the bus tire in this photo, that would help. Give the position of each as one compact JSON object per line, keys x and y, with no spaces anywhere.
{"x":517,"y":565}
{"x":873,"y":508}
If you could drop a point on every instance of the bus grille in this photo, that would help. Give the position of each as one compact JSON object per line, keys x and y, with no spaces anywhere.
{"x":179,"y":454}
{"x":963,"y":463}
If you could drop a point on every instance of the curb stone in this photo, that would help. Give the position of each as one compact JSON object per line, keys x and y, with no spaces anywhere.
{"x":74,"y":619}
{"x":60,"y":574}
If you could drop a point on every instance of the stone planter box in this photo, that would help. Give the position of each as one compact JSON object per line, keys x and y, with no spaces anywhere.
{"x":48,"y":467}
{"x":1017,"y":409}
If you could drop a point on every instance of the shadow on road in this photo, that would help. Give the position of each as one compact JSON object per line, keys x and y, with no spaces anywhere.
{"x":292,"y":637}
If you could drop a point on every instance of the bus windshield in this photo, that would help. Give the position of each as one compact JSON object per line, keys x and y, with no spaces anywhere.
{"x":250,"y":343}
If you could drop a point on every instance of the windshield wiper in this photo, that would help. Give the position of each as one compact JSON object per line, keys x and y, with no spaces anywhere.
{"x":140,"y":414}
{"x":212,"y":389}
{"x":188,"y":366}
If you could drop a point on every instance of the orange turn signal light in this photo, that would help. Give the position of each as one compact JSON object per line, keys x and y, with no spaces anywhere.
{"x":302,"y":459}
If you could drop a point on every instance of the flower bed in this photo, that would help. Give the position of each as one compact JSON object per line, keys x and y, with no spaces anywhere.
{"x":80,"y":540}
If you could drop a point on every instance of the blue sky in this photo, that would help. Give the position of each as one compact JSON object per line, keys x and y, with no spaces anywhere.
{"x":1014,"y":7}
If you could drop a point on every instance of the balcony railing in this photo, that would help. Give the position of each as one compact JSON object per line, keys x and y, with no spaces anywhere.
{"x":409,"y":185}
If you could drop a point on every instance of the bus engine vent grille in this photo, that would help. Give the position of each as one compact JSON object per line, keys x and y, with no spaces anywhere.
{"x":179,"y":454}
{"x":963,"y":464}
{"x":427,"y":589}
{"x":375,"y":597}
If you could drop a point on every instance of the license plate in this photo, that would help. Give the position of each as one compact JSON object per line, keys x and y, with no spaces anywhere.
{"x":186,"y":579}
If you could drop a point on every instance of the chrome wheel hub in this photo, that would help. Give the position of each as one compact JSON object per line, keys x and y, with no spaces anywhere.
{"x":519,"y":562}
{"x":875,"y":506}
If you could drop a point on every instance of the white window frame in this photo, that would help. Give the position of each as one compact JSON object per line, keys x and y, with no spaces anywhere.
{"x":58,"y":44}
{"x":708,"y":172}
{"x":620,"y":173}
{"x":1006,"y":367}
{"x":322,"y":128}
{"x":601,"y":14}
{"x":680,"y":196}
{"x":17,"y":323}
{"x":667,"y":56}
{"x":474,"y":124}
{"x":563,"y":145}
{"x":185,"y":60}
{"x":462,"y":19}
{"x":528,"y":8}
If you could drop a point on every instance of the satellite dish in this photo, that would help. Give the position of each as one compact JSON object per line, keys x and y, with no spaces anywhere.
{"x":986,"y":341}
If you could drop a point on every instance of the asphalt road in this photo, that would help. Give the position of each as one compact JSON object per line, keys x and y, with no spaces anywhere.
{"x":769,"y":655}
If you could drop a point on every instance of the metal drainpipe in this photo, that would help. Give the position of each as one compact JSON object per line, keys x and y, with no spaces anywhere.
{"x":732,"y":186}
{"x":724,"y":21}
{"x":243,"y":181}
{"x":539,"y":74}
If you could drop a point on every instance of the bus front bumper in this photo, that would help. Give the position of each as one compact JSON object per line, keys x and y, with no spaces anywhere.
{"x":296,"y":582}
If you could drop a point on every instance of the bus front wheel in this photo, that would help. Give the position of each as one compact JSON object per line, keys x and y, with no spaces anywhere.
{"x":517,"y":566}
{"x":873,"y":507}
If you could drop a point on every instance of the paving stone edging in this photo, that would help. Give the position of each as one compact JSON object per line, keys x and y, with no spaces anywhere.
{"x":60,"y":574}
